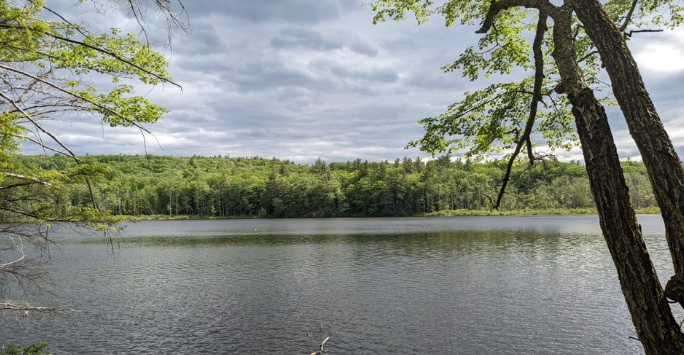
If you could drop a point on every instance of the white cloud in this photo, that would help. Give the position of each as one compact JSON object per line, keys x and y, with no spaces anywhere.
{"x":661,"y":57}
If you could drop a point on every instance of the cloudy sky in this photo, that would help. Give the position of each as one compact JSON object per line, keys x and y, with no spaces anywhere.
{"x":303,"y":79}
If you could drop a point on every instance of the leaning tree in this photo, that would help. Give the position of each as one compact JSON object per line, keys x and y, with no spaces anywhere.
{"x":565,"y":87}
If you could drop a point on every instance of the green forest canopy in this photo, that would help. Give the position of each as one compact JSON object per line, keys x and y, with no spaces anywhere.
{"x":258,"y":187}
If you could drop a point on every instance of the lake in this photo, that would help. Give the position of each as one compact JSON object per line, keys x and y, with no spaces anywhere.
{"x":460,"y":285}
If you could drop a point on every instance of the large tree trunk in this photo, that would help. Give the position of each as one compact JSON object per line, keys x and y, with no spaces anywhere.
{"x":651,"y":314}
{"x":664,"y":167}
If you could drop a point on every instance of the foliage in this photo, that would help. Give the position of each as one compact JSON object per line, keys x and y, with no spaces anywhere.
{"x":490,"y":120}
{"x":54,"y":69}
{"x":255,"y":187}
{"x":493,"y":118}
{"x":33,"y":349}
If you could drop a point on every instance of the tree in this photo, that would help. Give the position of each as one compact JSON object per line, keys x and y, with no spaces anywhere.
{"x":504,"y":115}
{"x":45,"y":64}
{"x":662,"y":162}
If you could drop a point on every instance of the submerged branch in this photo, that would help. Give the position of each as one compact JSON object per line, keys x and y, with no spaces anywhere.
{"x":322,"y":347}
{"x":25,"y":306}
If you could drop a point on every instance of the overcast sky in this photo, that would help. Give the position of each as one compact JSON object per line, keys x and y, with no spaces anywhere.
{"x":303,"y":79}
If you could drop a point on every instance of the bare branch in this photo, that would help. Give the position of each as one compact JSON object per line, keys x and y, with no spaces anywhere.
{"x":628,"y":19}
{"x":629,"y":34}
{"x":65,"y":20}
{"x":322,"y":347}
{"x":166,"y":9}
{"x":577,"y":32}
{"x":34,"y":83}
{"x":23,"y":177}
{"x":45,"y":147}
{"x":534,"y":104}
{"x":19,"y":248}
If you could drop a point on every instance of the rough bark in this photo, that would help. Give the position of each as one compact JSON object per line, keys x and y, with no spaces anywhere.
{"x":664,"y":167}
{"x":656,"y":327}
{"x":651,"y":314}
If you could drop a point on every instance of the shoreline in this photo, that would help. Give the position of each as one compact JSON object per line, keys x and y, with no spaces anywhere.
{"x":444,"y":213}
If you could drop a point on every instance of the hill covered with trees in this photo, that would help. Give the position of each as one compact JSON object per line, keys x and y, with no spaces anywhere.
{"x":258,"y":187}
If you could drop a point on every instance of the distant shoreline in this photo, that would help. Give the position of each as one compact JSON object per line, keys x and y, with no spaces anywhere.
{"x":444,"y":213}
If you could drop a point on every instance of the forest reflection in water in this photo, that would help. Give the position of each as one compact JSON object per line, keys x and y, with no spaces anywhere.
{"x":495,"y":285}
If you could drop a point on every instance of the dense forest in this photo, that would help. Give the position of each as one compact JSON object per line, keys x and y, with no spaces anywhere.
{"x":257,"y":187}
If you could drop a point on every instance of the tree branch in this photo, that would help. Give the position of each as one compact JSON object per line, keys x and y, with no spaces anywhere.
{"x":629,"y":34}
{"x":628,"y":18}
{"x":28,"y":117}
{"x":588,"y":55}
{"x":73,"y":94}
{"x":530,"y":153}
{"x":95,"y":48}
{"x":165,"y":8}
{"x":115,"y":56}
{"x":71,"y":154}
{"x":45,"y":147}
{"x":497,"y":6}
{"x":23,"y":177}
{"x":77,"y":28}
{"x":33,"y":84}
{"x":534,"y":104}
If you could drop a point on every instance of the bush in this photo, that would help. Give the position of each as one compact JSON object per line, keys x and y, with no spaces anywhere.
{"x":33,"y":349}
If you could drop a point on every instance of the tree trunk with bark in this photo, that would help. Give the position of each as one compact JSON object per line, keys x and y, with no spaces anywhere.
{"x":651,"y":314}
{"x":662,"y":163}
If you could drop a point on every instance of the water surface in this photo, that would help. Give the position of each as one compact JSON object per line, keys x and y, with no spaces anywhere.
{"x":465,"y":285}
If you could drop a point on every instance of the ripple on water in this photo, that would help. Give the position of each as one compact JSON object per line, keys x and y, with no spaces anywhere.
{"x":460,"y":286}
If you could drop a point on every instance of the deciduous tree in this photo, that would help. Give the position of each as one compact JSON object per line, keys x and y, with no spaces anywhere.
{"x":503,"y":117}
{"x":46,"y":65}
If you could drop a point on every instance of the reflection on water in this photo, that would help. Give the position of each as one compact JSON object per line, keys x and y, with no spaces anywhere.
{"x":480,"y":285}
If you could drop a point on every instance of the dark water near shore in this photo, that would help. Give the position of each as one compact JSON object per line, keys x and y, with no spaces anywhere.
{"x":465,"y":285}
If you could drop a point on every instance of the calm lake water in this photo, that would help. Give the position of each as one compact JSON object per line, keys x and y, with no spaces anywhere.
{"x":465,"y":285}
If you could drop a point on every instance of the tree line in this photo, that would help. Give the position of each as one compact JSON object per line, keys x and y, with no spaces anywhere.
{"x":257,"y":187}
{"x":45,"y":58}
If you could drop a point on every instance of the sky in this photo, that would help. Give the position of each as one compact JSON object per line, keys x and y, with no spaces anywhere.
{"x":309,"y":79}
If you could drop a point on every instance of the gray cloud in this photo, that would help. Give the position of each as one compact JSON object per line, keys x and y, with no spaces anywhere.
{"x":292,"y":11}
{"x":302,"y":79}
{"x":303,"y":38}
{"x":362,"y":47}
